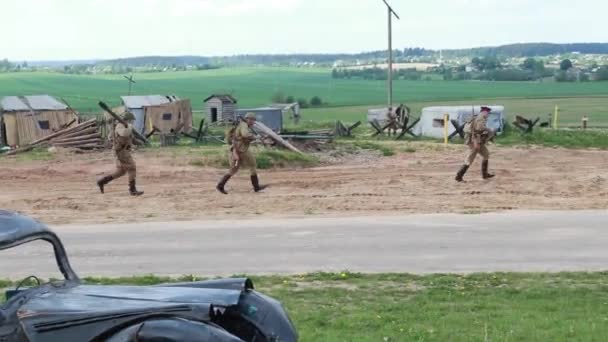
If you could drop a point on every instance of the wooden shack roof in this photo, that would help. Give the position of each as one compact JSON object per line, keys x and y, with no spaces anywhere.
{"x":31,"y":102}
{"x":225,"y":98}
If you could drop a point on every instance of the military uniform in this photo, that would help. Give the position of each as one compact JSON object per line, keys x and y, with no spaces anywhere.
{"x":241,"y":156}
{"x":477,"y":135}
{"x":123,"y":140}
{"x":392,"y":121}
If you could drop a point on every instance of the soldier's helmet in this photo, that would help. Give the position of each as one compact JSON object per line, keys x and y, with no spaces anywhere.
{"x":250,"y":115}
{"x":128,"y":116}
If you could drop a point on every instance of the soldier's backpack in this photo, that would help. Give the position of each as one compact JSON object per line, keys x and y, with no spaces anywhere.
{"x":468,"y":129}
{"x":230,"y":134}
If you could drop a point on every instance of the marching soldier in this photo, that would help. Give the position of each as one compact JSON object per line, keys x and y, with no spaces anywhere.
{"x":477,"y":135}
{"x":123,"y":140}
{"x":240,"y":155}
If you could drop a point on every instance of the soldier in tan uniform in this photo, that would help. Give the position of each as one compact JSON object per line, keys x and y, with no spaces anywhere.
{"x":241,"y":156}
{"x":123,"y":140}
{"x":392,"y":121}
{"x":477,"y":135}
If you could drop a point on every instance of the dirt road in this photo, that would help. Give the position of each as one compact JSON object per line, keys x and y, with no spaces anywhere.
{"x":514,"y":241}
{"x":63,"y":190}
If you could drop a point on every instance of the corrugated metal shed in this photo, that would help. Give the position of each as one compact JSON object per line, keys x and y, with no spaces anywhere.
{"x":137,"y":101}
{"x":271,"y":117}
{"x":32,"y":102}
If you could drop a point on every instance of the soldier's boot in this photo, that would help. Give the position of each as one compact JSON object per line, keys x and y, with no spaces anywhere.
{"x":102,"y":182}
{"x":461,"y":173}
{"x":222,"y":183}
{"x":484,"y":170}
{"x":256,"y":184}
{"x":133,"y":190}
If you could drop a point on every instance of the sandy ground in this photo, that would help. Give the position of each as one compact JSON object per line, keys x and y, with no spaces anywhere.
{"x":64,"y":191}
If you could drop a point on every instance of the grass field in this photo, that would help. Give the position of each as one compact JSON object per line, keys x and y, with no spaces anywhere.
{"x":571,"y":109}
{"x":255,"y":86}
{"x":401,"y":307}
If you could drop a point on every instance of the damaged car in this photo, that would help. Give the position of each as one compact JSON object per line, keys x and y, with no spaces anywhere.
{"x":68,"y":310}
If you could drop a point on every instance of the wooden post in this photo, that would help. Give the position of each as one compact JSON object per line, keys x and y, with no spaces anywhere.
{"x":555,"y":117}
{"x":446,"y":121}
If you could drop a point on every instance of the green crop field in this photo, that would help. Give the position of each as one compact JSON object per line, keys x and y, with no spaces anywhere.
{"x":255,"y":86}
{"x":571,"y":109}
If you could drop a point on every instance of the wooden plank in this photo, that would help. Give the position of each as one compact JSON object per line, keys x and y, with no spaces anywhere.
{"x":264,"y":129}
{"x":82,"y":137}
{"x":77,"y":133}
{"x":79,"y":142}
{"x":351,"y":128}
{"x":200,"y":130}
{"x":67,"y":130}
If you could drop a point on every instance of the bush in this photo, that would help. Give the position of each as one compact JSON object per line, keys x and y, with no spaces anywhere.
{"x":278,"y":97}
{"x":290,"y":99}
{"x":303,"y":103}
{"x":316,"y":101}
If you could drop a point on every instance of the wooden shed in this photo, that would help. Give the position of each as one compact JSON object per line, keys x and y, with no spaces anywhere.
{"x":173,"y":117}
{"x":28,"y":118}
{"x":220,"y":108}
{"x":136,"y":104}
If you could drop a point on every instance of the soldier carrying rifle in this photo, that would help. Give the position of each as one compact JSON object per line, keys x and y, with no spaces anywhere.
{"x":240,"y":138}
{"x":477,"y":134}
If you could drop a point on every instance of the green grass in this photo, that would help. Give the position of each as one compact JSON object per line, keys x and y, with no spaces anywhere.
{"x":34,"y":155}
{"x":402,"y":307}
{"x":368,"y":145}
{"x":255,"y":86}
{"x":267,"y":159}
{"x":572,"y":109}
{"x":557,"y":138}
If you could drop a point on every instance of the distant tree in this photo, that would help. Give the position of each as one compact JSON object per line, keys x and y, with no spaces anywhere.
{"x":602,"y":73}
{"x":447,"y":75}
{"x":565,"y":64}
{"x":278,"y":97}
{"x":316,"y":101}
{"x":303,"y":103}
{"x":290,"y":99}
{"x":486,"y":63}
{"x":564,"y":76}
{"x":529,"y":64}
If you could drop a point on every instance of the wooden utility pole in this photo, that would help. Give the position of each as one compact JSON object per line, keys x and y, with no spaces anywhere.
{"x":390,"y":51}
{"x":131,"y":81}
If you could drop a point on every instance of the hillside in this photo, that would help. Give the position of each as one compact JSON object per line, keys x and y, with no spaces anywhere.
{"x":512,"y":50}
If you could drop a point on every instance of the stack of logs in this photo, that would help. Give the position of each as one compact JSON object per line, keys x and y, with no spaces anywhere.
{"x":84,"y":136}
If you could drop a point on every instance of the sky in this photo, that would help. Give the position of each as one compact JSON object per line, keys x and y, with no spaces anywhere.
{"x":102,"y":29}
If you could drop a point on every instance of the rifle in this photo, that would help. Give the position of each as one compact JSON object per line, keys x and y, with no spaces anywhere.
{"x":122,"y":121}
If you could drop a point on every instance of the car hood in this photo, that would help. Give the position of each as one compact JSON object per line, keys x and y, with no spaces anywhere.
{"x":90,"y":310}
